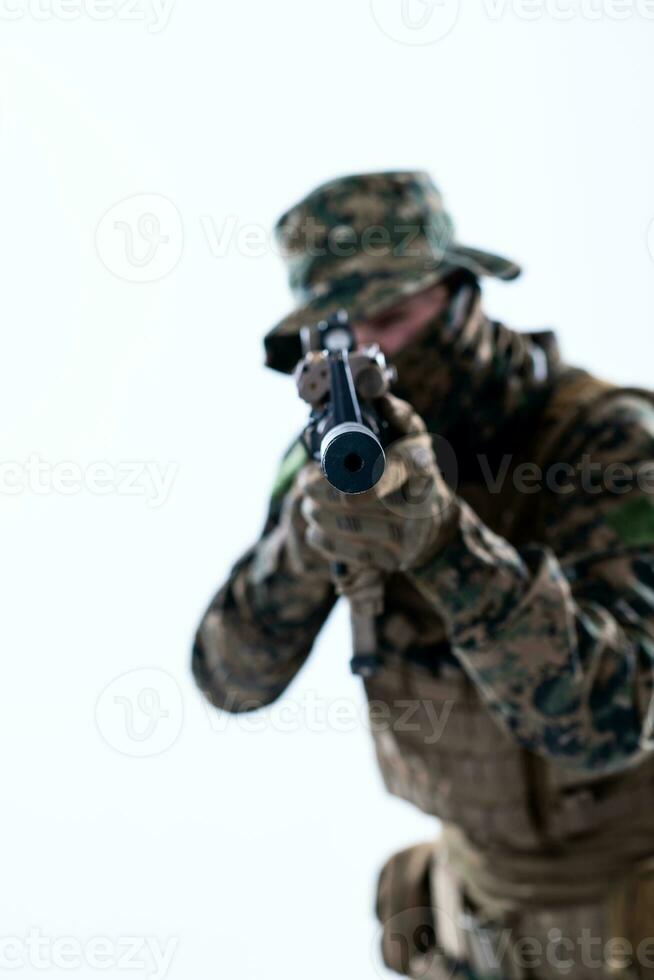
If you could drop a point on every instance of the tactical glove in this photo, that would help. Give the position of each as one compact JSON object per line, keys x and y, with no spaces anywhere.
{"x":399,"y":524}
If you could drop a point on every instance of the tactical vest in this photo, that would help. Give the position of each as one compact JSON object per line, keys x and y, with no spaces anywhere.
{"x":443,"y":751}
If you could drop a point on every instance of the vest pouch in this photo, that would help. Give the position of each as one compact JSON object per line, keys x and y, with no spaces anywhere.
{"x":404,"y":909}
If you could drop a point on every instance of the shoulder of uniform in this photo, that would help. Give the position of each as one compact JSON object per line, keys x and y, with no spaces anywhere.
{"x":583,"y":407}
{"x":574,"y":389}
{"x":623,"y":406}
{"x":596,"y":403}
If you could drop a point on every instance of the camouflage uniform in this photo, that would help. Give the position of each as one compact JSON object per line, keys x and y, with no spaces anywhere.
{"x":529,"y":637}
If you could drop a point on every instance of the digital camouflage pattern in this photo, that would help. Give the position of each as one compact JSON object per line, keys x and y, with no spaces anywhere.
{"x":260,"y":627}
{"x":518,"y":665}
{"x":361,"y":243}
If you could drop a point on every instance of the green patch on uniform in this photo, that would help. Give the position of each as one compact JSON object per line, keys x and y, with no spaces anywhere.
{"x":634,"y":522}
{"x":289,"y":468}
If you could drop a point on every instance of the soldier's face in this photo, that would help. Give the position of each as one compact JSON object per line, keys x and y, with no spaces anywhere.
{"x":396,"y":327}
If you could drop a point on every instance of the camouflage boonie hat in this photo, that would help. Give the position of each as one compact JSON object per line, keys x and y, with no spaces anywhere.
{"x":362,"y":243}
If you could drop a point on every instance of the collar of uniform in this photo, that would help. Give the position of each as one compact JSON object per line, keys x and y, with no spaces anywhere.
{"x":471,"y":377}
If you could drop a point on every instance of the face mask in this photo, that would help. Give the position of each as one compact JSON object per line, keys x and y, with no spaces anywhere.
{"x":465,"y":369}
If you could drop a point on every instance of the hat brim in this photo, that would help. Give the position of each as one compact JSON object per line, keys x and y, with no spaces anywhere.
{"x":365,"y":296}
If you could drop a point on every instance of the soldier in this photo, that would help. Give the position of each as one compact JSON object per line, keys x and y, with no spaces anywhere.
{"x":518,"y":601}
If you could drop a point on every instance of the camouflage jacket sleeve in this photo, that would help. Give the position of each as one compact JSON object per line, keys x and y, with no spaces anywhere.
{"x":560,"y":637}
{"x":261,"y":625}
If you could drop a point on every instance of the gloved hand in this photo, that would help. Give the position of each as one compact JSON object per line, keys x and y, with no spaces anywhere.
{"x":399,"y":524}
{"x":297,"y":555}
{"x":285,"y":550}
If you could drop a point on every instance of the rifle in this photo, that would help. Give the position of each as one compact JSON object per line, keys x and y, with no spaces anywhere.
{"x":346,"y":435}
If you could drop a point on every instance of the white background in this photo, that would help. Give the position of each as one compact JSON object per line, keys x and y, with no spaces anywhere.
{"x":255,"y":851}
